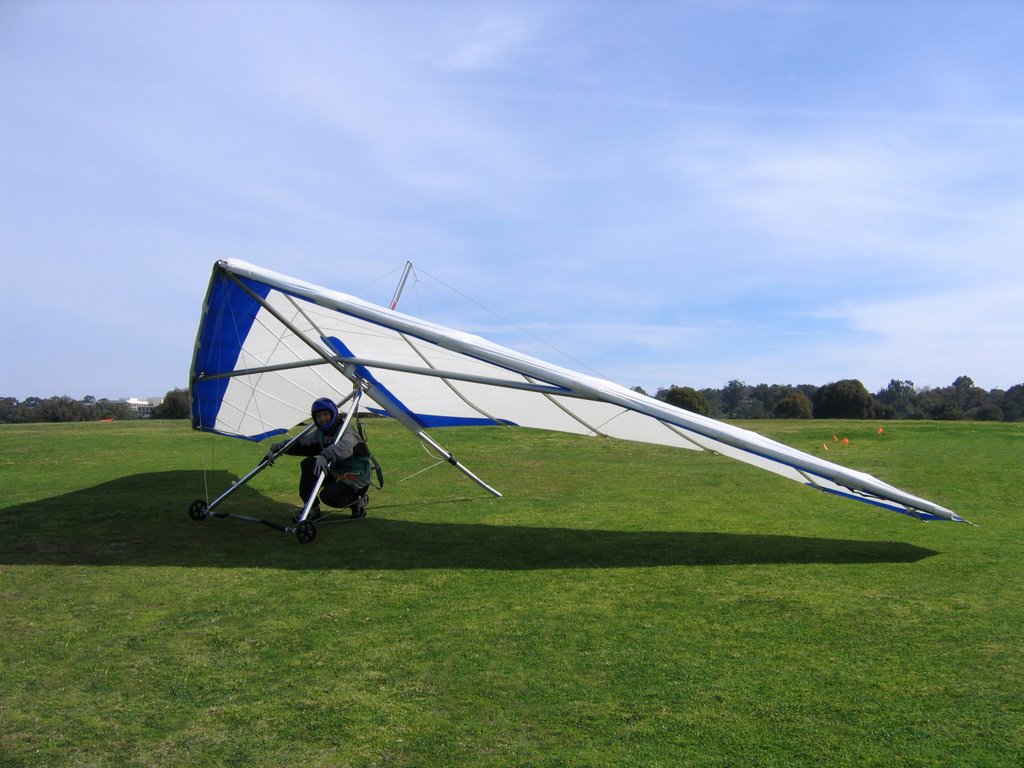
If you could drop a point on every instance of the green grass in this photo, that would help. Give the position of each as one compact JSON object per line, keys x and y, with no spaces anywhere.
{"x":622,"y":605}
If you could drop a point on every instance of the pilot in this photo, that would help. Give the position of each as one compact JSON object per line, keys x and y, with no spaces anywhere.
{"x":345,"y":462}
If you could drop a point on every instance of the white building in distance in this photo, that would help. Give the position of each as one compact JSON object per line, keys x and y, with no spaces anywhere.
{"x":143,"y":407}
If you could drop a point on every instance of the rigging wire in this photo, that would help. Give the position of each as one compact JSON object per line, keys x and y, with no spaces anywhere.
{"x":420,"y":472}
{"x":513,"y":324}
{"x":359,"y":291}
{"x":417,"y":282}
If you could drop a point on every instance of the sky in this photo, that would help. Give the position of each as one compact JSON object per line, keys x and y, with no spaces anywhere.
{"x":662,"y":193}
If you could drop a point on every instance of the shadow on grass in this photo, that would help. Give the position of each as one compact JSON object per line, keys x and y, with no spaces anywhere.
{"x":143,"y":520}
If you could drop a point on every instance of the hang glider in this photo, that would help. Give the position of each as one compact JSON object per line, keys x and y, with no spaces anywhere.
{"x":269,"y":344}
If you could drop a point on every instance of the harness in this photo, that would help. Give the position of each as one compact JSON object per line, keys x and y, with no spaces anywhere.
{"x":373,"y":459}
{"x":359,"y":468}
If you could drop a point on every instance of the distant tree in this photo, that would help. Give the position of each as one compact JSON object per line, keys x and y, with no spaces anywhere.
{"x":997,"y":397}
{"x":844,"y":399}
{"x":733,"y":395}
{"x":751,"y":407}
{"x":795,"y":405}
{"x":639,"y":390}
{"x":109,"y":409}
{"x":769,"y":396}
{"x":176,"y":405}
{"x":8,"y":409}
{"x":687,"y":398}
{"x":986,"y":412}
{"x":900,"y":399}
{"x":807,"y":390}
{"x":966,"y":395}
{"x":713,"y":397}
{"x":880,"y":410}
{"x":901,"y":396}
{"x":60,"y":409}
{"x":939,"y":404}
{"x":1012,"y":403}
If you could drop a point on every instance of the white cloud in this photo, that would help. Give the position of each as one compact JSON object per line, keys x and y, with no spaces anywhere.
{"x":932,"y":339}
{"x":826,"y":197}
{"x":493,"y":43}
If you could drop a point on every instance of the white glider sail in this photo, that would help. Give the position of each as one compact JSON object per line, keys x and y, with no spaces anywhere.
{"x":268,"y":345}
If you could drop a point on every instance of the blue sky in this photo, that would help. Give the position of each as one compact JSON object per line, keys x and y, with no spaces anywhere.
{"x":662,"y":192}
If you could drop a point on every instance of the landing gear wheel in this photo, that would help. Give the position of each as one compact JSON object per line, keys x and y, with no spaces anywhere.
{"x":305,"y":532}
{"x":197,"y":510}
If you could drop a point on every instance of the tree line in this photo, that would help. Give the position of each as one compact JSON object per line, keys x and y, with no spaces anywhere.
{"x":850,"y":399}
{"x":845,"y":399}
{"x":66,"y":409}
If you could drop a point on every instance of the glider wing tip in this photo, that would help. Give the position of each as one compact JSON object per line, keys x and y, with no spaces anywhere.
{"x":951,"y":517}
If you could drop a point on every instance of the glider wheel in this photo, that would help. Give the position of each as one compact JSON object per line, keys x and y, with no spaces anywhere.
{"x":305,"y":532}
{"x":197,"y":510}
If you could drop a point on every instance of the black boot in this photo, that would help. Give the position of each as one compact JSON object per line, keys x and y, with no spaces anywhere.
{"x":359,"y":508}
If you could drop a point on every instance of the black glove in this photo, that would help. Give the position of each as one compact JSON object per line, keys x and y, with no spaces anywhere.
{"x":275,"y":449}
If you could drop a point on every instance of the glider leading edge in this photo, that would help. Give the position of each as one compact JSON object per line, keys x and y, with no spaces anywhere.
{"x":268,"y":344}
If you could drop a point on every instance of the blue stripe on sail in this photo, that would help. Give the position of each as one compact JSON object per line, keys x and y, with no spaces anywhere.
{"x":227,"y":319}
{"x":428,"y":421}
{"x":252,"y":438}
{"x":342,"y":349}
{"x":423,"y":420}
{"x":892,"y":506}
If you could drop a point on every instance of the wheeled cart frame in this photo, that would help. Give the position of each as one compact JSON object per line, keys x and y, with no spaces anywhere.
{"x":304,"y":528}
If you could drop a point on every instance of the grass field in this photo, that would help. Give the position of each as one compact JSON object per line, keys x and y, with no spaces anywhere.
{"x":622,"y":605}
